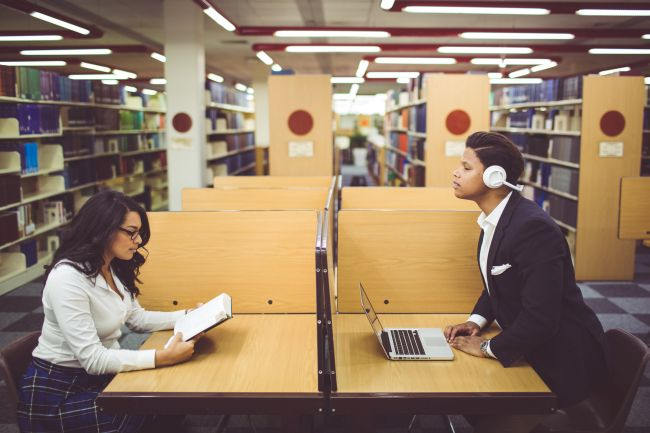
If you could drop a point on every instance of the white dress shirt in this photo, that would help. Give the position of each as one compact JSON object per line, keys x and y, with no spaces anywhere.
{"x":82,"y":323}
{"x":488,"y":224}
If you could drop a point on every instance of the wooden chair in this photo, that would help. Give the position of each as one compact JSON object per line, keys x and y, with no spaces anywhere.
{"x":14,"y":359}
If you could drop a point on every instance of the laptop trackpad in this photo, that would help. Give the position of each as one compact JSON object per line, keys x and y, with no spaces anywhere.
{"x":434,"y":342}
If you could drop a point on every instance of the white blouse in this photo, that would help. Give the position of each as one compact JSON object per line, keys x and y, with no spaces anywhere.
{"x":82,"y":323}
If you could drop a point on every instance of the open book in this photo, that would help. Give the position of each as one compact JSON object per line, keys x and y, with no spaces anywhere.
{"x":204,"y":318}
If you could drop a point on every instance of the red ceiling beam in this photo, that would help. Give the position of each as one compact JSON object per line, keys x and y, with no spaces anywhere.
{"x":450,"y":32}
{"x":207,"y":4}
{"x":556,"y":7}
{"x":27,"y":8}
{"x":557,"y":48}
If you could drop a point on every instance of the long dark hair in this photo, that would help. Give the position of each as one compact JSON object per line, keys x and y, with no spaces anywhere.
{"x":91,"y":231}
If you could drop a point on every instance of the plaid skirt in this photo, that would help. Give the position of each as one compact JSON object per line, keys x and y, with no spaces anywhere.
{"x":55,"y":399}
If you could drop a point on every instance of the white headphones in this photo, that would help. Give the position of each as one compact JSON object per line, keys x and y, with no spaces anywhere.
{"x":495,"y":177}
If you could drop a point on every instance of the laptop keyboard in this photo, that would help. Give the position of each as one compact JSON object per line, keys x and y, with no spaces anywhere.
{"x":407,"y":342}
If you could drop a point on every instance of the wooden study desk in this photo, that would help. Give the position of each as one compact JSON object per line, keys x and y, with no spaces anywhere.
{"x":367,"y":382}
{"x":253,"y":363}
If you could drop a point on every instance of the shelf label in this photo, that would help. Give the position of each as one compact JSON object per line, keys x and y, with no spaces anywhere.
{"x":181,"y":143}
{"x":454,"y":148}
{"x":610,"y":149}
{"x":301,"y":149}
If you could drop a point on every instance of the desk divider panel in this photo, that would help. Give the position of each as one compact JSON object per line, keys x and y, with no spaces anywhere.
{"x":634,"y":215}
{"x":380,"y":197}
{"x":263,"y":259}
{"x":408,"y":261}
{"x":271,"y":181}
{"x":211,"y":199}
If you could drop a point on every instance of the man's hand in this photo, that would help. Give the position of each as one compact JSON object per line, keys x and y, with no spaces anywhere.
{"x":467,"y":328}
{"x":471,"y":345}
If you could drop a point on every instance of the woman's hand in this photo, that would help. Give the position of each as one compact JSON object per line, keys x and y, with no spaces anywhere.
{"x":178,"y":351}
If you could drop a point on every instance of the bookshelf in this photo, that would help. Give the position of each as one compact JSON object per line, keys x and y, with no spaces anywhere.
{"x":50,"y":166}
{"x":427,"y":125}
{"x":645,"y":141}
{"x":230,"y":133}
{"x":569,"y":171}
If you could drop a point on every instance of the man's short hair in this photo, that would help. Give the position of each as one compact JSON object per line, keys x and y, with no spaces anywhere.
{"x":493,"y":148}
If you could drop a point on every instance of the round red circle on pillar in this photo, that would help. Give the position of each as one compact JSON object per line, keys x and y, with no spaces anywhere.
{"x":182,"y":122}
{"x":458,"y":122}
{"x":300,"y":122}
{"x":612,"y":123}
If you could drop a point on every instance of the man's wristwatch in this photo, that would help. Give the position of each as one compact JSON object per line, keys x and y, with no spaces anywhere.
{"x":484,"y":348}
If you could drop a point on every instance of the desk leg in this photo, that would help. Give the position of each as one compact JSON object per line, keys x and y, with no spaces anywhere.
{"x":298,"y":423}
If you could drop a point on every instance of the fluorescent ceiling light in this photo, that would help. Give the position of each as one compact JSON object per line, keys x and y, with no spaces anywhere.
{"x":646,"y":80}
{"x":158,"y":81}
{"x":354,"y":89}
{"x":125,"y":74}
{"x":485,"y":50}
{"x":149,"y":91}
{"x":96,"y":77}
{"x":130,"y":89}
{"x":332,"y":49}
{"x":615,"y":70}
{"x":60,"y":23}
{"x":388,"y":74}
{"x":67,"y":52}
{"x":216,"y":78}
{"x":264,"y":58}
{"x":346,"y":80}
{"x":416,"y":60}
{"x":110,"y":82}
{"x":619,"y":51}
{"x":22,"y":38}
{"x":386,"y":4}
{"x":250,"y":97}
{"x":403,"y":80}
{"x":362,"y":68}
{"x":250,"y":91}
{"x":515,"y":80}
{"x":331,"y":34}
{"x":495,"y":75}
{"x":475,"y":10}
{"x":507,"y":62}
{"x":512,"y":35}
{"x":614,"y":12}
{"x":33,"y":63}
{"x":240,"y":87}
{"x":276,"y":67}
{"x":519,"y":73}
{"x":543,"y":66}
{"x":219,"y":19}
{"x":159,"y":57}
{"x":342,"y":96}
{"x":646,"y":36}
{"x":95,"y":67}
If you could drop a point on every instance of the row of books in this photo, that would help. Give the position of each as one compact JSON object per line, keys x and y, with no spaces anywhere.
{"x":220,"y":93}
{"x":24,"y":220}
{"x":561,"y":179}
{"x":411,"y":145}
{"x":413,"y":173}
{"x":219,"y":120}
{"x":229,"y":143}
{"x":414,"y":90}
{"x":560,"y":208}
{"x":411,"y":118}
{"x":564,"y":148}
{"x":554,"y":89}
{"x":230,"y":166}
{"x":10,"y":191}
{"x":84,"y":145}
{"x":560,"y":120}
{"x":32,"y":118}
{"x":28,"y":151}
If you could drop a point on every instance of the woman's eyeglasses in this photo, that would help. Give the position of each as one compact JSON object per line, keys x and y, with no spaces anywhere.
{"x":133,"y":234}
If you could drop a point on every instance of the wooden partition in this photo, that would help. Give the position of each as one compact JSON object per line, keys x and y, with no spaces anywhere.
{"x":208,"y":199}
{"x":403,"y":198}
{"x":263,"y":259}
{"x":272,"y":181}
{"x":457,"y":106}
{"x":301,"y":141}
{"x":408,"y":261}
{"x":634,"y":214}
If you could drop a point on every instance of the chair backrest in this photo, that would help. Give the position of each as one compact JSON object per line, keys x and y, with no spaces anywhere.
{"x":628,"y":356}
{"x":14,"y":359}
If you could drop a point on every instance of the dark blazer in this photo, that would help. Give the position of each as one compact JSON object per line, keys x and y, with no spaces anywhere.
{"x":538,"y":304}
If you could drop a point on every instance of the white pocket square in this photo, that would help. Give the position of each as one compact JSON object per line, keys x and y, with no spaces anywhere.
{"x":498,"y":270}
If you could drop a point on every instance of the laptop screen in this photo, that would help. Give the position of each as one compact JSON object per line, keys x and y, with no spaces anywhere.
{"x":370,"y":312}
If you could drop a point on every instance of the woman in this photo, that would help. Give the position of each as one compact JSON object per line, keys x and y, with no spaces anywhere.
{"x":90,"y":291}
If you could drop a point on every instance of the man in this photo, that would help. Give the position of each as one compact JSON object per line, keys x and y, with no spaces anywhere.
{"x":529,"y":286}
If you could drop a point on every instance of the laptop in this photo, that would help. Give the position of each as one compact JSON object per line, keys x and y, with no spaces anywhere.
{"x":414,"y":344}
